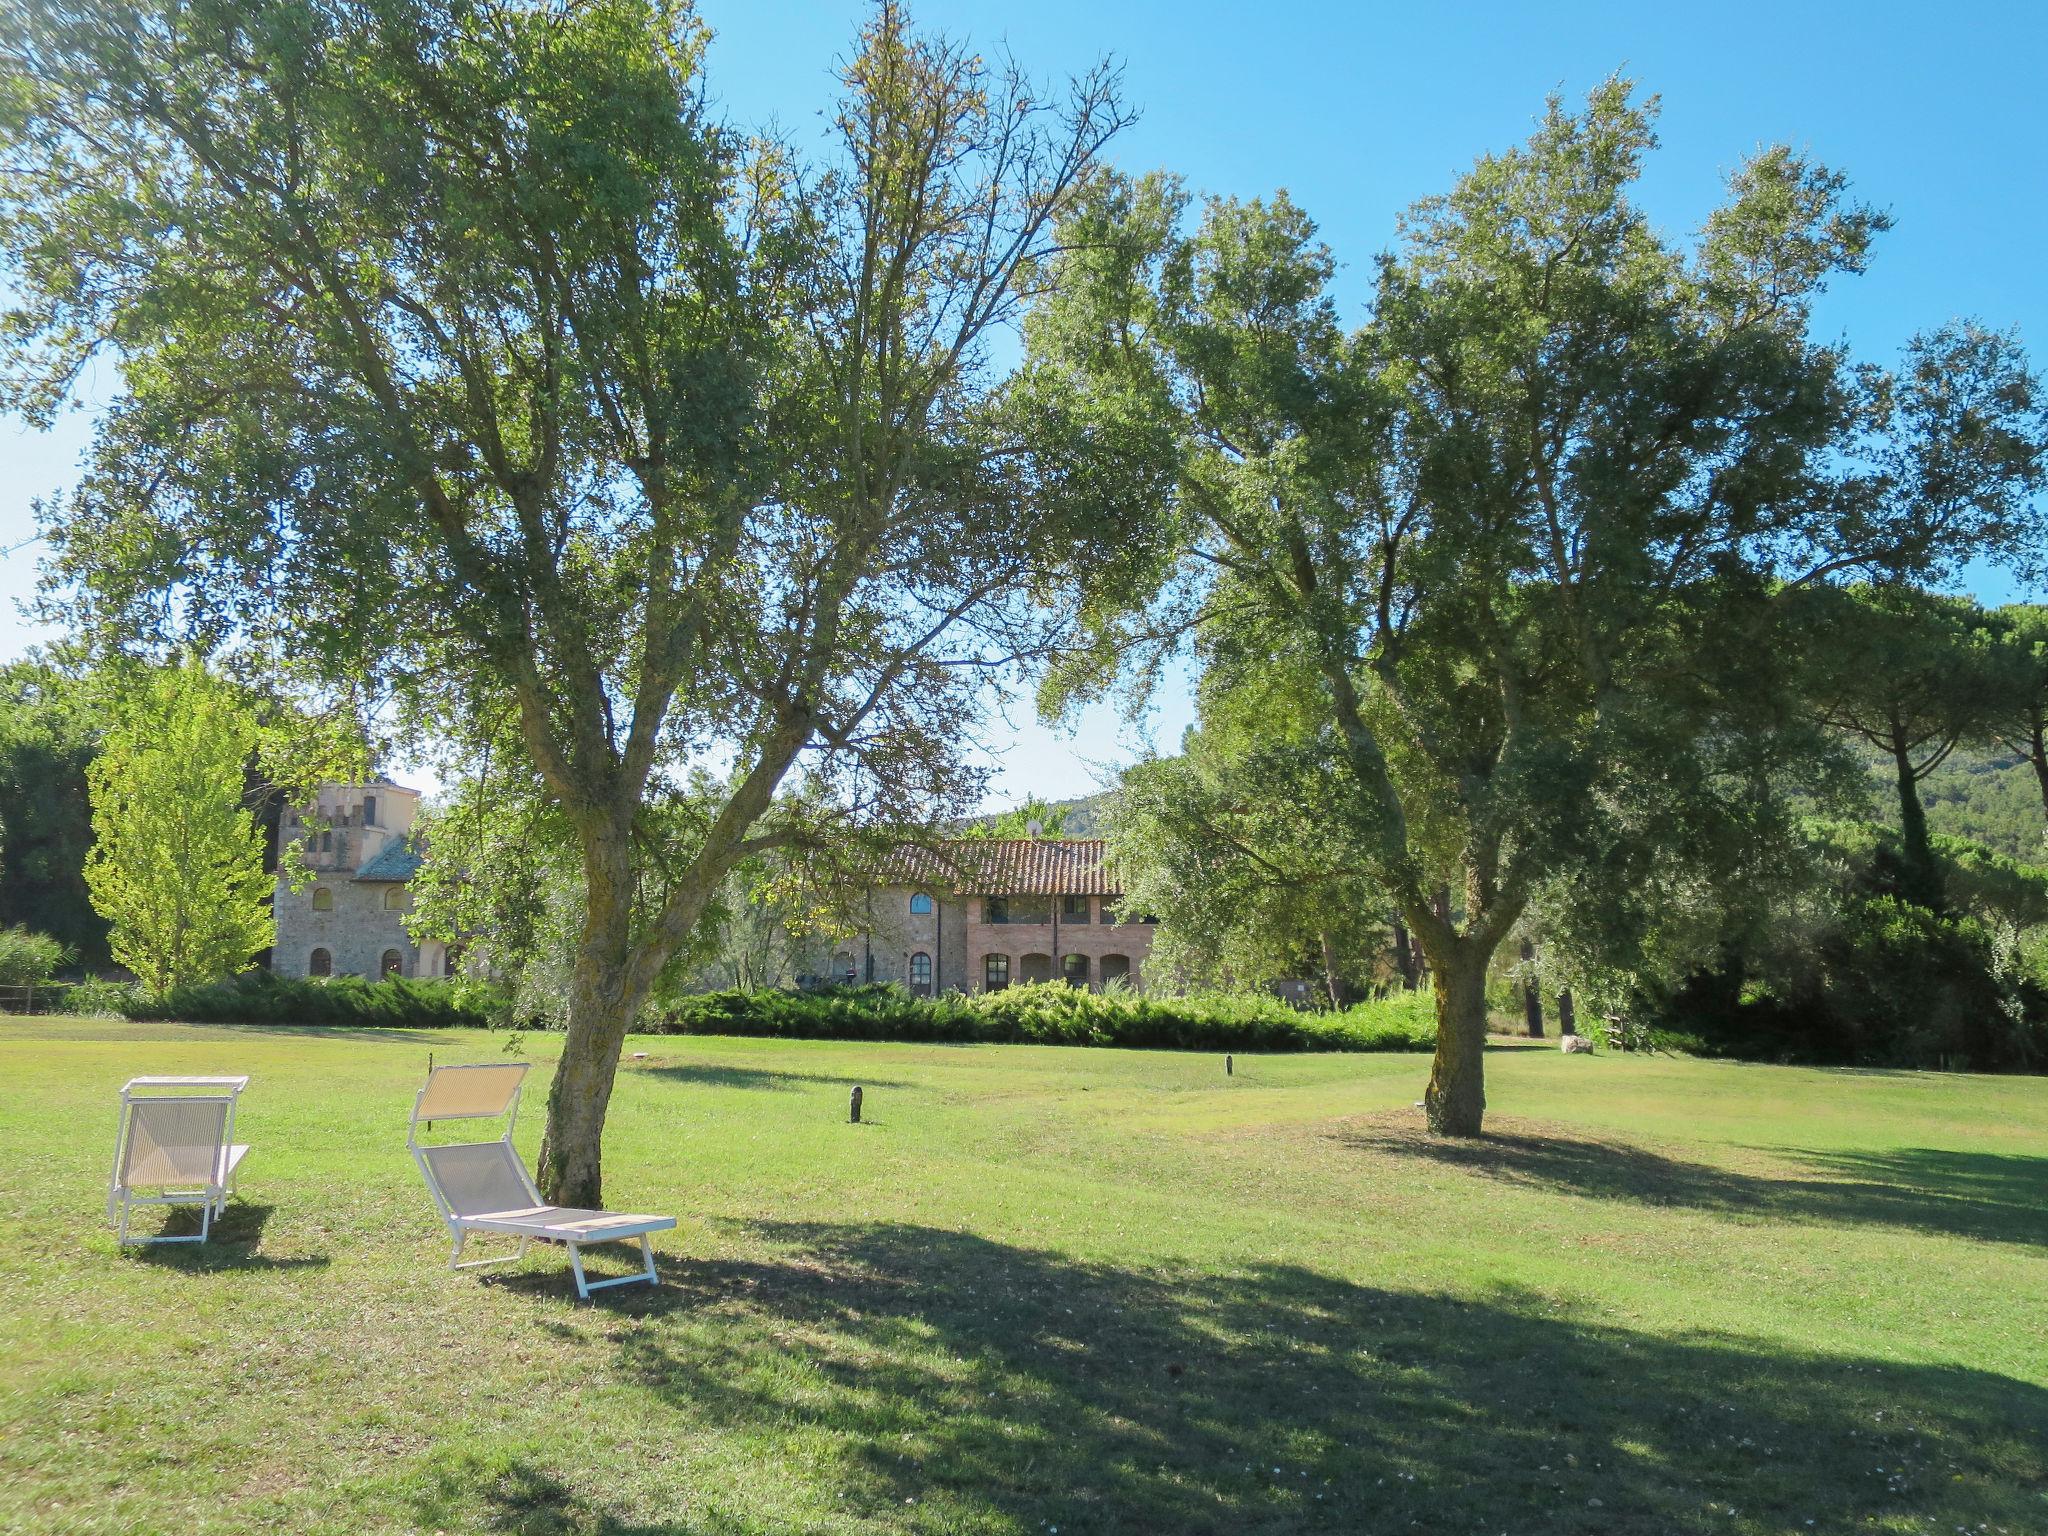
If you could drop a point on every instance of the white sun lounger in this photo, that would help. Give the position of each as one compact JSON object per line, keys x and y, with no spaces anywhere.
{"x":482,"y":1186}
{"x":177,"y":1139}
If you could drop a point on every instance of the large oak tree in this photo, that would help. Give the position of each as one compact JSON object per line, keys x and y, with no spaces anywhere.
{"x":461,"y":348}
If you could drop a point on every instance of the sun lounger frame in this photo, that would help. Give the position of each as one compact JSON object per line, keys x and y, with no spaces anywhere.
{"x":209,"y":1194}
{"x":497,"y":1088}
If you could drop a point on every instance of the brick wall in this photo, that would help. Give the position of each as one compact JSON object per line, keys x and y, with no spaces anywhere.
{"x":1037,"y":950}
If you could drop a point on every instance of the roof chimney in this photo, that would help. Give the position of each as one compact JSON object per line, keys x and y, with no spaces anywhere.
{"x":1034,"y":830}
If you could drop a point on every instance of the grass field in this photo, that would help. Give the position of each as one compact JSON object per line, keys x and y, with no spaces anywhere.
{"x":1043,"y":1289}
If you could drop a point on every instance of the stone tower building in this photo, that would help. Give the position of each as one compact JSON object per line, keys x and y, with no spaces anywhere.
{"x":349,"y":919}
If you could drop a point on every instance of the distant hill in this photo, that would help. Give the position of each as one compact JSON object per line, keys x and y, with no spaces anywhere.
{"x":1084,"y":815}
{"x":1995,"y":801}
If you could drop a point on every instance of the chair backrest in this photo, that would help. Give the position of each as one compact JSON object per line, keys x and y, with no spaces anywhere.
{"x":470,"y":1092}
{"x":479,"y":1177}
{"x":174,"y":1142}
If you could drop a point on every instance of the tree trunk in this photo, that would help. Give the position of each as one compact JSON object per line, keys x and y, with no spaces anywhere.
{"x":2037,"y":754}
{"x":1567,"y":1013}
{"x":1923,"y":879}
{"x":1455,"y":1103}
{"x":1331,"y":984}
{"x":1532,"y":998}
{"x":1404,"y":956}
{"x":600,"y":1009}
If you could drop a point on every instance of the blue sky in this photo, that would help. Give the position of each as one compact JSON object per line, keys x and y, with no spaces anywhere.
{"x":1938,"y":113}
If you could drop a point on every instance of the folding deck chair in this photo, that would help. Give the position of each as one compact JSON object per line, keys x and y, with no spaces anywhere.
{"x":482,"y":1186}
{"x":177,"y":1138}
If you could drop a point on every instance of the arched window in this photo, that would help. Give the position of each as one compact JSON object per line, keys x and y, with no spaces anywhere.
{"x":369,"y":810}
{"x":320,"y":963}
{"x":1113,"y":970}
{"x":995,"y":973}
{"x":451,"y":963}
{"x":1034,"y":968}
{"x":327,"y":841}
{"x":920,"y":974}
{"x":393,"y":964}
{"x":1074,"y":970}
{"x":323,"y":899}
{"x":394,"y":898}
{"x":920,"y":904}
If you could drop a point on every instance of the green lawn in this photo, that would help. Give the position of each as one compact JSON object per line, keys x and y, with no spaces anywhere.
{"x":1087,"y":1290}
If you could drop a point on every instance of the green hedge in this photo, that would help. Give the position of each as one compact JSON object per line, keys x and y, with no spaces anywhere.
{"x":1055,"y":1014}
{"x":258,"y":997}
{"x":1046,"y":1014}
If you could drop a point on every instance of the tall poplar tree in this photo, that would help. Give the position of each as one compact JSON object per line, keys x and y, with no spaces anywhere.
{"x":177,"y":860}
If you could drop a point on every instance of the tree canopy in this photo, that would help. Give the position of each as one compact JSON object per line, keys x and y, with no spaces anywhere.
{"x":1520,"y":531}
{"x":464,"y":351}
{"x":177,"y":864}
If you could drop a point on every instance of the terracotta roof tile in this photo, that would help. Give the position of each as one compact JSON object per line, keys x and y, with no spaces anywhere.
{"x":1011,"y":866}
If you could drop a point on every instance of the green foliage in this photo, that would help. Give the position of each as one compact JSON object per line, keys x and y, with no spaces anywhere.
{"x":1913,"y":675}
{"x":1995,"y":801}
{"x":1234,"y":847}
{"x":614,"y":441}
{"x":28,"y":959}
{"x":49,"y":731}
{"x":98,"y":997}
{"x":259,"y":997}
{"x":1520,"y":535}
{"x":1852,"y":970}
{"x":1053,"y":1014}
{"x":1016,"y":822}
{"x":177,"y":862}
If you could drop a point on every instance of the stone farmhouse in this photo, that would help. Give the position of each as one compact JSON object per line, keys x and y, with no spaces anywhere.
{"x":349,"y":919}
{"x":979,"y":914}
{"x":962,"y":915}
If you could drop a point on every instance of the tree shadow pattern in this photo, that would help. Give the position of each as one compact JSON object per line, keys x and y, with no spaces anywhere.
{"x":704,"y":1075}
{"x":968,"y":1385}
{"x":231,"y":1243}
{"x":1994,"y":1197}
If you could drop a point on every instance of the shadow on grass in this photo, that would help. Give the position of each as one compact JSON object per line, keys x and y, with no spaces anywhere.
{"x":426,"y":1036}
{"x":516,"y":1497}
{"x":1991,"y":1196}
{"x":934,"y":1380}
{"x":230,"y":1244}
{"x":704,"y":1074}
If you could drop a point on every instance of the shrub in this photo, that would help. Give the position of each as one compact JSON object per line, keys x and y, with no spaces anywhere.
{"x":98,"y":998}
{"x":1052,"y":1013}
{"x":258,"y":997}
{"x":28,"y":958}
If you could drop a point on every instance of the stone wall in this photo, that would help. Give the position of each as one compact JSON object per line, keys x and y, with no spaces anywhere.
{"x":893,"y":936}
{"x":357,"y":932}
